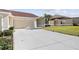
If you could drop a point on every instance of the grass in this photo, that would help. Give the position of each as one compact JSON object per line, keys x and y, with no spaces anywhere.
{"x":71,"y":30}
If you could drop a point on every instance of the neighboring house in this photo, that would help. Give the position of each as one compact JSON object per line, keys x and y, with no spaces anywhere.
{"x":56,"y":20}
{"x":59,"y":20}
{"x":76,"y":21}
{"x":18,"y":20}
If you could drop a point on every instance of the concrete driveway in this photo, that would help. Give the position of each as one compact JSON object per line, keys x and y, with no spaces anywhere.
{"x":40,"y":39}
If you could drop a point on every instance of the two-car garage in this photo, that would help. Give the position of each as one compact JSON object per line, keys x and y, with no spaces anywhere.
{"x":24,"y":22}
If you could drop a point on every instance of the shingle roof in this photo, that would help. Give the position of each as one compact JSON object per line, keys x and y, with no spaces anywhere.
{"x":59,"y":17}
{"x":22,"y":14}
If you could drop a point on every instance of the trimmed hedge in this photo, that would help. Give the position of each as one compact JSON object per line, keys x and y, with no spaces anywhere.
{"x":11,"y":28}
{"x":7,"y":32}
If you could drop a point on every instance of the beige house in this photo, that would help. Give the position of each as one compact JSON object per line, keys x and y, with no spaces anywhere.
{"x":58,"y":20}
{"x":21,"y":20}
{"x":18,"y":20}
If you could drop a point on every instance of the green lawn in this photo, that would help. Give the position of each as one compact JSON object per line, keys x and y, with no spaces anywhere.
{"x":71,"y":30}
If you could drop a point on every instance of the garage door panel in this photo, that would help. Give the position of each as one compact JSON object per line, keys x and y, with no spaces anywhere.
{"x":23,"y":23}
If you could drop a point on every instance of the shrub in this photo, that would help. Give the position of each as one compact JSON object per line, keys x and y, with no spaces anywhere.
{"x":5,"y":44}
{"x":1,"y":33}
{"x":11,"y":28}
{"x":7,"y":32}
{"x":74,"y":24}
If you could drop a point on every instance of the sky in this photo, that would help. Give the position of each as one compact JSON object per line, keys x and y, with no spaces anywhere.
{"x":41,"y":12}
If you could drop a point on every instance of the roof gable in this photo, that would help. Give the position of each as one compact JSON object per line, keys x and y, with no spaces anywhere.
{"x":22,"y":14}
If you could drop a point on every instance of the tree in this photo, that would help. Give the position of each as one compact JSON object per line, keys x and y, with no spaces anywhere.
{"x":47,"y":18}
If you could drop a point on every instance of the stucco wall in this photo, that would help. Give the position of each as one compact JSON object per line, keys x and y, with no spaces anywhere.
{"x":51,"y":22}
{"x":23,"y":22}
{"x":5,"y":22}
{"x":0,"y":25}
{"x":67,"y":22}
{"x":61,"y":22}
{"x":11,"y":21}
{"x":76,"y":21}
{"x":40,"y":23}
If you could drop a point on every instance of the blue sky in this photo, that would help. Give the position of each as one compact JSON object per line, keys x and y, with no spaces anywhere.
{"x":41,"y":12}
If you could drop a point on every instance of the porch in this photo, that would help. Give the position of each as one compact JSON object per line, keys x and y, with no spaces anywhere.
{"x":4,"y":21}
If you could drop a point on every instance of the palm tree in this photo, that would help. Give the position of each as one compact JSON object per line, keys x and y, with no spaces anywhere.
{"x":47,"y":18}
